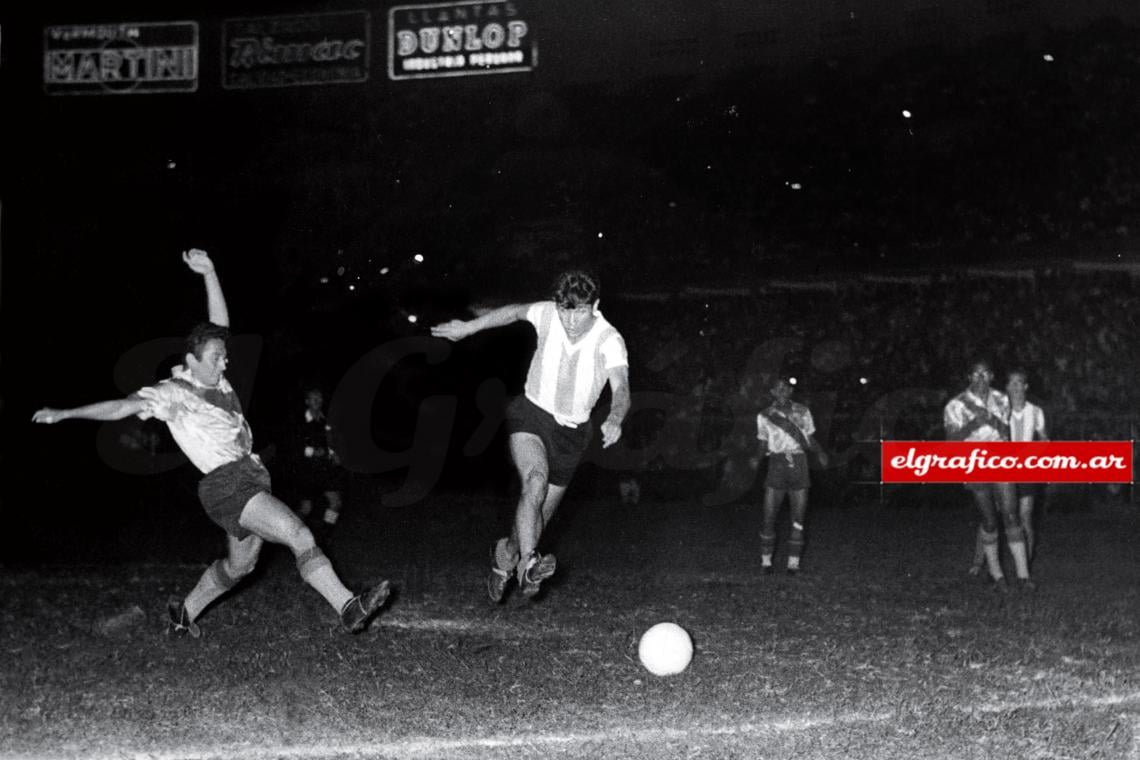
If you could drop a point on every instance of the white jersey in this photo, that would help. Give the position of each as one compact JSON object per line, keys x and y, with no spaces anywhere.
{"x":566,"y":378}
{"x":966,"y":406}
{"x":1027,"y":424}
{"x":779,"y":440}
{"x":206,"y":423}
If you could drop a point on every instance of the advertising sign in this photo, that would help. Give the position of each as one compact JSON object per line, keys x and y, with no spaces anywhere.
{"x":281,"y":51}
{"x":459,"y":39}
{"x":124,"y":58}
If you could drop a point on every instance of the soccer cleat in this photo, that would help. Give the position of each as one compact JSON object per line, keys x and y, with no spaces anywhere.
{"x":793,"y":571}
{"x":360,"y":609}
{"x":538,"y":568}
{"x":767,"y":569}
{"x":1026,"y":584}
{"x":497,"y":584}
{"x":1000,"y":585}
{"x":179,"y":622}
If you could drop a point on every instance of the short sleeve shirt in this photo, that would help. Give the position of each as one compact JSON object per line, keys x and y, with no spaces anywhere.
{"x":206,"y":423}
{"x":779,"y":440}
{"x":964,"y":407}
{"x":566,"y":378}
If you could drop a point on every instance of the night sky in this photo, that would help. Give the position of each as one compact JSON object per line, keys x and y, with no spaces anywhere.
{"x":664,"y":144}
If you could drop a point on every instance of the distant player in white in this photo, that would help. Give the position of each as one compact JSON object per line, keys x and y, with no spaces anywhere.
{"x":578,"y":352}
{"x":786,"y":432}
{"x":1026,"y":423}
{"x":981,"y":413}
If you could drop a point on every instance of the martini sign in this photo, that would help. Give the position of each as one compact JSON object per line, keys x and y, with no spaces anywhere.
{"x":108,"y":59}
{"x":459,"y":39}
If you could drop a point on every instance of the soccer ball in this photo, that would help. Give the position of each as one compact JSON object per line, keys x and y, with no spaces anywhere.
{"x":665,"y":649}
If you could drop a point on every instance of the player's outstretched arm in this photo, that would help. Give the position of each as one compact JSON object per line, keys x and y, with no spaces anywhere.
{"x":618,"y":378}
{"x":199,"y":262}
{"x":458,"y":329}
{"x":115,"y":409}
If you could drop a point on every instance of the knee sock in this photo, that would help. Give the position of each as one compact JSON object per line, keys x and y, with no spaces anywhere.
{"x":317,"y":571}
{"x":795,"y":545}
{"x":767,"y":547}
{"x":211,"y":585}
{"x":990,"y":549}
{"x":1015,"y":539}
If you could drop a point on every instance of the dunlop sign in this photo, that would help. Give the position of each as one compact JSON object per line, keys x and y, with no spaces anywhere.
{"x":279,"y":51}
{"x":458,"y":39}
{"x":111,"y":59}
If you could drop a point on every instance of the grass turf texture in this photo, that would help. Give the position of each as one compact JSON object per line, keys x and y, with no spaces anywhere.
{"x":882,"y":647}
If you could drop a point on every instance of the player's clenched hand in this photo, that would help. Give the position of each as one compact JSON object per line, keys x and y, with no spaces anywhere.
{"x":611,"y":432}
{"x":47,"y":416}
{"x":198,"y":261}
{"x":456,"y":329}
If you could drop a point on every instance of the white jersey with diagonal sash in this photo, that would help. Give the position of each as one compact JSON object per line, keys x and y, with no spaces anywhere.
{"x":779,"y":440}
{"x":206,"y":423}
{"x":566,"y":378}
{"x":967,"y":405}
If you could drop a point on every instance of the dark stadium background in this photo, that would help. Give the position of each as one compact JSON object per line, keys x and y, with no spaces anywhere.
{"x":675,"y":147}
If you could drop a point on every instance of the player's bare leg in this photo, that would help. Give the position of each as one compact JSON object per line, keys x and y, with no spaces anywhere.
{"x":529,"y":456}
{"x":270,"y":518}
{"x":221,"y":576}
{"x":1025,"y":511}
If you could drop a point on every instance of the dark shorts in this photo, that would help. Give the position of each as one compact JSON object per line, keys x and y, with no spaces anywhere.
{"x":224,"y":492}
{"x":564,"y":445}
{"x":788,"y":473}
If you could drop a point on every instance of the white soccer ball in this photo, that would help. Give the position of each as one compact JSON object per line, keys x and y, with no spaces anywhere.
{"x":665,"y":649}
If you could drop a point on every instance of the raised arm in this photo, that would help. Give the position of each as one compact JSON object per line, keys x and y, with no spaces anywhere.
{"x":458,"y":329}
{"x":199,"y":261}
{"x":618,"y":378}
{"x":116,"y":409}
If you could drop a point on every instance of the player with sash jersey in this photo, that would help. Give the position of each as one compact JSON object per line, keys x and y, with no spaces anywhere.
{"x":577,"y":353}
{"x":786,"y":433}
{"x":205,"y":418}
{"x":981,"y":413}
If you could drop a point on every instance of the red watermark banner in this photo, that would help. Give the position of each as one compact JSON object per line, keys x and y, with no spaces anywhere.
{"x":1007,"y":462}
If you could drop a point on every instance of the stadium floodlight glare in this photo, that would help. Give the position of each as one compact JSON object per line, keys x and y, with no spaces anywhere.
{"x":906,"y":114}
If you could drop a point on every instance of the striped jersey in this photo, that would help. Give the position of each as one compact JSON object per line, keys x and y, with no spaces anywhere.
{"x":566,"y":379}
{"x":1027,"y":424}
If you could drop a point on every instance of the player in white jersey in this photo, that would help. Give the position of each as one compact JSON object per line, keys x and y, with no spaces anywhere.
{"x":1026,"y":423}
{"x":205,"y":418}
{"x":577,"y":353}
{"x":786,"y":432}
{"x":981,"y":413}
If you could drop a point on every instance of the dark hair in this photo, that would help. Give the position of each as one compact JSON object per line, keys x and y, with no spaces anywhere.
{"x":980,"y":361}
{"x":1018,"y":371}
{"x":576,"y":288}
{"x":203,"y":333}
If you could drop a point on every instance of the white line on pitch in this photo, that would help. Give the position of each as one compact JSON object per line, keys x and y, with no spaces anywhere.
{"x":1110,"y":700}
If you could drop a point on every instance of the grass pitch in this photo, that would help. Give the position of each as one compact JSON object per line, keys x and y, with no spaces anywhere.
{"x":882,"y":647}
